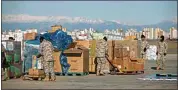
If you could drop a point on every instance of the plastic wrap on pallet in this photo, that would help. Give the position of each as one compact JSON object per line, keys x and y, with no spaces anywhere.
{"x":29,"y":50}
{"x":151,"y":52}
{"x":62,"y":41}
{"x":64,"y":63}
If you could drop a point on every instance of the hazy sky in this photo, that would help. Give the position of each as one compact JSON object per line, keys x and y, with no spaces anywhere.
{"x":137,"y":12}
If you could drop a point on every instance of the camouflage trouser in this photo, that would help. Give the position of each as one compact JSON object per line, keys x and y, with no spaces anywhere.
{"x":101,"y":61}
{"x":143,"y":55}
{"x":161,"y":59}
{"x":49,"y":68}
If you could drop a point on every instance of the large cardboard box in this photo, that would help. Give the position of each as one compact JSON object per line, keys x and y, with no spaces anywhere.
{"x":84,"y":43}
{"x":132,"y":44}
{"x":92,"y":68}
{"x":30,"y":36}
{"x":111,"y":43}
{"x":77,"y":58}
{"x":57,"y":65}
{"x":110,"y":52}
{"x":127,"y":65}
{"x":36,"y":72}
{"x":139,"y":60}
{"x":92,"y":60}
{"x":123,"y":62}
{"x":138,"y":66}
{"x":121,"y":52}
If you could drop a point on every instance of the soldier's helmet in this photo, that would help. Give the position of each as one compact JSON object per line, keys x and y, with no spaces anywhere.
{"x":105,"y":38}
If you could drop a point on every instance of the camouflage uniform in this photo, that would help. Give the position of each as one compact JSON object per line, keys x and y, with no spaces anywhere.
{"x":101,"y":51}
{"x":46,"y":50}
{"x":144,"y":44}
{"x":161,"y":49}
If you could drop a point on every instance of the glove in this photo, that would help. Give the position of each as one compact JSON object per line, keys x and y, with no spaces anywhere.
{"x":156,"y":53}
{"x":164,"y":54}
{"x":106,"y":55}
{"x":144,"y":50}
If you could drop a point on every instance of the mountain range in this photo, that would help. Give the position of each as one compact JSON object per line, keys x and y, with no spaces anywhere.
{"x":44,"y":23}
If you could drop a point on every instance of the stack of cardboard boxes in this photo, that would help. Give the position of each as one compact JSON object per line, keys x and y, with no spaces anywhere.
{"x":92,"y":59}
{"x":91,"y":45}
{"x":57,"y":27}
{"x":121,"y":52}
{"x":125,"y":55}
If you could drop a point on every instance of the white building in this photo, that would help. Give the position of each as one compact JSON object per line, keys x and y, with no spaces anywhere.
{"x":174,"y":35}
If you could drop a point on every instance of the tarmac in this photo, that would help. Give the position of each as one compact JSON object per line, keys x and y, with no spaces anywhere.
{"x":103,"y":82}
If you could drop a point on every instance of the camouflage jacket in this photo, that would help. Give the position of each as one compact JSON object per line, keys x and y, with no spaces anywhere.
{"x":101,"y":48}
{"x":2,"y":48}
{"x":162,"y":47}
{"x":144,"y":44}
{"x":46,"y":49}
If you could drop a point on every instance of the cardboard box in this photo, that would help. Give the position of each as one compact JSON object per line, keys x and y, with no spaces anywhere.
{"x":125,"y":63}
{"x":84,"y":43}
{"x":92,"y":68}
{"x":132,"y":44}
{"x":92,"y":60}
{"x":57,"y":65}
{"x":30,"y":36}
{"x":77,"y":58}
{"x":139,"y":60}
{"x":111,"y":43}
{"x":36,"y":72}
{"x":121,"y":52}
{"x":111,"y":52}
{"x":130,"y":37}
{"x":139,"y":66}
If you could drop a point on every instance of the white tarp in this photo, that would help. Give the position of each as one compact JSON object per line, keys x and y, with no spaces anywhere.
{"x":151,"y":52}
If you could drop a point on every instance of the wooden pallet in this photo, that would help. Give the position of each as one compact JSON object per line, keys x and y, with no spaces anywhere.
{"x":72,"y":74}
{"x":131,"y":72}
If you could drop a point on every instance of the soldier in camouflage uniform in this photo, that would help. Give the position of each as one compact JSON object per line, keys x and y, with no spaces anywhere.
{"x":45,"y":50}
{"x":3,"y":63}
{"x":144,"y":47}
{"x":101,"y":51}
{"x":161,"y":53}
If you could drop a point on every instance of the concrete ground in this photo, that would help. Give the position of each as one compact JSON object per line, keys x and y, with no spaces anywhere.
{"x":104,"y":82}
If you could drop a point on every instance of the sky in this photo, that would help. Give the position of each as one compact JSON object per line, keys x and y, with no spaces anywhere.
{"x":136,"y":12}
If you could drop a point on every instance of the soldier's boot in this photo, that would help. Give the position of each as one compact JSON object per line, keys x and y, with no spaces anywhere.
{"x":101,"y":73}
{"x":162,"y":68}
{"x":5,"y":74}
{"x":2,"y":74}
{"x":53,"y":78}
{"x":46,"y":78}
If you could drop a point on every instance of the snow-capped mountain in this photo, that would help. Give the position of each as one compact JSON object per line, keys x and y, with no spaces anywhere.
{"x":43,"y":23}
{"x":23,"y":18}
